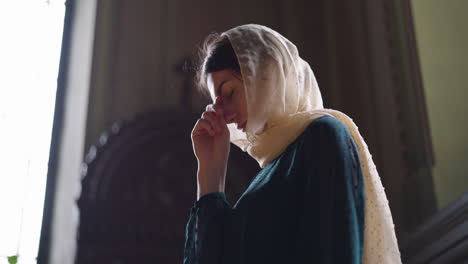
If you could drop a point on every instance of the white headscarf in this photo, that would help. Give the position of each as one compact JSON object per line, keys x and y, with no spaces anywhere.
{"x":283,"y":98}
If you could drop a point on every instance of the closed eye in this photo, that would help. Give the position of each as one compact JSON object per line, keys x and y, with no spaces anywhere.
{"x":228,"y":96}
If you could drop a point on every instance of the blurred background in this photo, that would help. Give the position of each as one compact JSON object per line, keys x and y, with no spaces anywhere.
{"x":121,"y":177}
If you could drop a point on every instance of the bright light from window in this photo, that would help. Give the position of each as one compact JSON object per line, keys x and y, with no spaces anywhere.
{"x":30,"y":42}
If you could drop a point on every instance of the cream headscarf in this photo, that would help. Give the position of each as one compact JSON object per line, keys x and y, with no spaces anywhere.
{"x":283,"y":98}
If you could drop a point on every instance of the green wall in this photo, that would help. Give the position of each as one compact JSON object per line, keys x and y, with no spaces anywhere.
{"x":442,"y":38}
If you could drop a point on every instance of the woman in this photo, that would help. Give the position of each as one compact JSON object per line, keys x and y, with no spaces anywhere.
{"x":318,"y":198}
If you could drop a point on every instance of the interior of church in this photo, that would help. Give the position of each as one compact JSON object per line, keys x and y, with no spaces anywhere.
{"x":122,"y":175}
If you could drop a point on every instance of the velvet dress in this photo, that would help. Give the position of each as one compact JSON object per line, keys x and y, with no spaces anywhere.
{"x":306,"y":206}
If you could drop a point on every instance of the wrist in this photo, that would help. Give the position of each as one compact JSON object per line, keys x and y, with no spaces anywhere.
{"x":210,"y":180}
{"x":202,"y":191}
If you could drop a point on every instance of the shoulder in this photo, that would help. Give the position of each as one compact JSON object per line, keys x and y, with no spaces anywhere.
{"x":326,"y":135}
{"x":325,"y":127}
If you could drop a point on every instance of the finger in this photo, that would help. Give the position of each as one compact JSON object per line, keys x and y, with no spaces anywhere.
{"x":203,"y":126}
{"x":218,"y":107}
{"x":222,"y":123}
{"x":209,"y":108}
{"x":213,"y":119}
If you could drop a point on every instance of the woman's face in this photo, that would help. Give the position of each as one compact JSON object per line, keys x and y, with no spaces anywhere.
{"x":229,"y":86}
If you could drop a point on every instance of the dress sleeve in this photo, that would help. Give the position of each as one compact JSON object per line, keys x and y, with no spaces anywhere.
{"x":333,"y":206}
{"x":204,"y":230}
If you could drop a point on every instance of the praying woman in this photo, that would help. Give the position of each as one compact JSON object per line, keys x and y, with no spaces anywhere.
{"x":318,"y":197}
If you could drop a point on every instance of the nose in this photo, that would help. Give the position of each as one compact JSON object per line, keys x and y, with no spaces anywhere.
{"x":218,"y":101}
{"x":220,"y":108}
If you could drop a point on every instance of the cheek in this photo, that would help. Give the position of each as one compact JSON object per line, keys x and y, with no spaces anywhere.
{"x":243,"y":105}
{"x":234,"y":106}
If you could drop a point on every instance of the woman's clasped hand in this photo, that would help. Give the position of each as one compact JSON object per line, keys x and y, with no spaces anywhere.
{"x":211,"y":145}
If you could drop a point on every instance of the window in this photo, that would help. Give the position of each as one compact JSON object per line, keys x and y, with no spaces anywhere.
{"x":31,"y":34}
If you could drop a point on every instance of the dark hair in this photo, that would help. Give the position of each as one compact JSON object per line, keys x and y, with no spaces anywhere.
{"x":216,"y":54}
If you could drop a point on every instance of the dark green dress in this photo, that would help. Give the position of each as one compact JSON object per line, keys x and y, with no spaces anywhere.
{"x":306,"y":206}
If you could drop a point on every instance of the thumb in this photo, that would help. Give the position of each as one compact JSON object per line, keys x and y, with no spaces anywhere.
{"x":218,"y":107}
